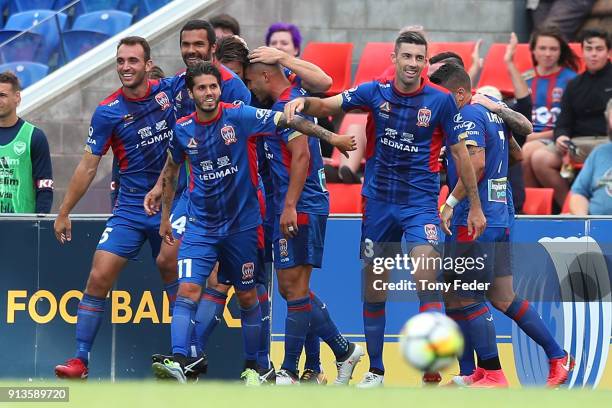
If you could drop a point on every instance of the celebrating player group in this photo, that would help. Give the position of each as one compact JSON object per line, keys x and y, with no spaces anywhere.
{"x":224,"y":179}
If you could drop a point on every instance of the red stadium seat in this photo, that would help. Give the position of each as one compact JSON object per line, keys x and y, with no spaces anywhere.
{"x":494,"y":71}
{"x":464,"y":49}
{"x":334,"y":59}
{"x":344,"y":198}
{"x":375,"y":58}
{"x":566,"y":208}
{"x":538,"y":201}
{"x":348,"y":120}
{"x":444,"y":192}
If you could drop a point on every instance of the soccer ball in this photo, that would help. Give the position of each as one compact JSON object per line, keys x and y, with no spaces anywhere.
{"x":430,"y":341}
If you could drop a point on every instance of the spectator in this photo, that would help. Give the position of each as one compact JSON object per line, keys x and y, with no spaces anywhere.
{"x":26,"y":175}
{"x":225,"y":25}
{"x":285,"y":37}
{"x":592,"y":190}
{"x":555,"y":65}
{"x":568,"y":15}
{"x":582,"y":113}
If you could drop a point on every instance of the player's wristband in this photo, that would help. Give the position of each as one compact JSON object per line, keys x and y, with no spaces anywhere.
{"x":451,"y":201}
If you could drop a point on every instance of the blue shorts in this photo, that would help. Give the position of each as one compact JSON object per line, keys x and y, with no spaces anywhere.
{"x":489,"y":252}
{"x":304,"y":249}
{"x":385,"y":225}
{"x":178,"y":217}
{"x":125,"y":233}
{"x":237,"y":255}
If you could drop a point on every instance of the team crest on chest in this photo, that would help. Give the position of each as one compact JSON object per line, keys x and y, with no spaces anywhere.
{"x":162,"y":100}
{"x":228,"y":134}
{"x":423,"y":117}
{"x":557,"y":94}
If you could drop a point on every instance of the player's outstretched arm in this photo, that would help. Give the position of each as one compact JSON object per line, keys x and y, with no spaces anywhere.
{"x":79,"y":183}
{"x":314,"y":107}
{"x":169,"y":182}
{"x":314,"y":79}
{"x":517,"y":123}
{"x":476,"y":219}
{"x":344,"y":143}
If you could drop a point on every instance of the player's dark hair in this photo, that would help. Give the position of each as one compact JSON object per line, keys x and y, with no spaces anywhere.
{"x":192,"y":25}
{"x":410,"y":37}
{"x":595,"y":33}
{"x":201,"y":68}
{"x":452,"y":77}
{"x":232,"y":49}
{"x":567,"y":58}
{"x":447,"y":56}
{"x":7,"y":77}
{"x":135,"y":40}
{"x":156,"y":72}
{"x":227,"y":22}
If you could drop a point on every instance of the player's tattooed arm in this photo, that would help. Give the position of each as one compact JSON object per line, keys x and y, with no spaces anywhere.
{"x":517,"y":123}
{"x":169,"y":182}
{"x":313,"y":106}
{"x":343,"y":143}
{"x":476,"y":219}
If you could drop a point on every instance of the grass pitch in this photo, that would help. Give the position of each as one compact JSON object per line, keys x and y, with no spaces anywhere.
{"x":153,"y":394}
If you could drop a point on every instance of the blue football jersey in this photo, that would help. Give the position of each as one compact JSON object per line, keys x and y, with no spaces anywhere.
{"x":487,"y":130}
{"x":314,"y":198}
{"x":222,"y":160}
{"x":138,"y":131}
{"x":405,"y":133}
{"x":546,"y":94}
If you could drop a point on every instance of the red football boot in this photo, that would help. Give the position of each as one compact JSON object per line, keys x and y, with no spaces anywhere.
{"x":491,"y":379}
{"x":73,"y":368}
{"x":431,"y":379}
{"x":559,"y":370}
{"x":467,"y":380}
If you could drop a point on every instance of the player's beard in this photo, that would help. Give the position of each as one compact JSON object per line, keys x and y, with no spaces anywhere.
{"x":198,"y":57}
{"x":204,"y":107}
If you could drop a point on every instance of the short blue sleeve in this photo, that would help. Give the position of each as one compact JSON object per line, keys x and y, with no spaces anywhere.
{"x":100,"y":132}
{"x":359,"y":97}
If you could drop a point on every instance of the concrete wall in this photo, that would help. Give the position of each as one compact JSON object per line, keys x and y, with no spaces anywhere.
{"x":66,"y":119}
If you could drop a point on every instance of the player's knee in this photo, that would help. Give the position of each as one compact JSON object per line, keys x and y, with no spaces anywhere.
{"x":98,"y":284}
{"x":167,"y":267}
{"x":246,"y":298}
{"x":190,"y":290}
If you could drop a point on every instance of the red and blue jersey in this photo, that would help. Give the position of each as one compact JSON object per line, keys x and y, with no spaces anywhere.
{"x":222,"y":161}
{"x":314,"y":198}
{"x":405,"y":133}
{"x":546,"y":94}
{"x":487,"y":130}
{"x":138,"y":131}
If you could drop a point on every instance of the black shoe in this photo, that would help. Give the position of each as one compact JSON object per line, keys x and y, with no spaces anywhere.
{"x":331,"y":174}
{"x":347,"y":176}
{"x":267,"y":375}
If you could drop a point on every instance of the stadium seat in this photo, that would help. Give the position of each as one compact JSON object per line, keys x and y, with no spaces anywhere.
{"x":348,"y":120}
{"x":24,"y":47}
{"x":27,"y":72}
{"x":129,"y":6}
{"x":566,"y":205}
{"x":464,"y":49}
{"x":147,"y":7}
{"x":444,"y":192}
{"x":109,"y":22}
{"x":344,"y":198}
{"x":494,"y":71}
{"x":17,"y":6}
{"x":89,"y":6}
{"x":375,"y":58}
{"x":78,"y":42}
{"x":538,"y":201}
{"x":40,"y":22}
{"x":334,"y":59}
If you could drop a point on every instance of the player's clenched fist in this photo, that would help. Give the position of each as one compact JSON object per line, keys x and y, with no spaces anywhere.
{"x":476,"y":222}
{"x":63,"y":228}
{"x":165,"y":231}
{"x":293,"y":107}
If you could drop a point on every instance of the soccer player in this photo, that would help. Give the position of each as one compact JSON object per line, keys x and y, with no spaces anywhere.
{"x":489,"y":138}
{"x":136,"y":121}
{"x":217,"y":141}
{"x":302,"y":206}
{"x":409,"y":118}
